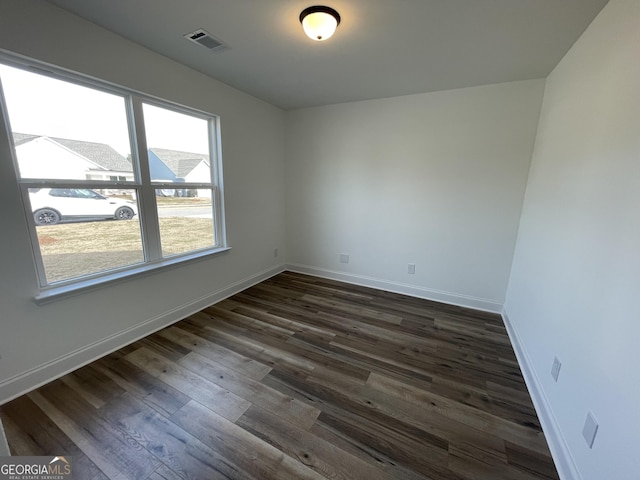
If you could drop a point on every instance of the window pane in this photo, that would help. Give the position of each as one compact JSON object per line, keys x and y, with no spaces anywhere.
{"x":186,"y":223}
{"x":65,"y":131}
{"x":76,"y":170}
{"x":178,"y":146}
{"x":79,"y":232}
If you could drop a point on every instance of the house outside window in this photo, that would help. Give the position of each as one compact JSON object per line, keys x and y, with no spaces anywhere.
{"x":113,"y":182}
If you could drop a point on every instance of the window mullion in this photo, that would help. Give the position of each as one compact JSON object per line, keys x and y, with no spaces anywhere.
{"x":217,"y":198}
{"x":148,"y":206}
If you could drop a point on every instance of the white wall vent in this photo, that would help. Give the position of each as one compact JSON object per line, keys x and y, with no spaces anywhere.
{"x":204,"y":38}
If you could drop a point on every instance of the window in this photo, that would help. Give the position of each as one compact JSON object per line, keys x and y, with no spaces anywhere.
{"x":113,"y":182}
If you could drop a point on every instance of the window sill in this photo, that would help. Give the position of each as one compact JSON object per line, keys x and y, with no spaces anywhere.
{"x":59,"y":292}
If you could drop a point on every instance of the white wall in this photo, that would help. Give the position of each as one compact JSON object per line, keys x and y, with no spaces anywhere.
{"x":575,"y":283}
{"x":435,"y":179}
{"x":35,"y":340}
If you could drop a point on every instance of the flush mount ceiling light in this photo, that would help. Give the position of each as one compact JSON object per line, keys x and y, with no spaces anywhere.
{"x":319,"y":22}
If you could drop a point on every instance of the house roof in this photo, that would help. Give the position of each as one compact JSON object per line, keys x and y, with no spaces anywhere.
{"x":180,"y":163}
{"x":20,"y":138}
{"x":101,"y":154}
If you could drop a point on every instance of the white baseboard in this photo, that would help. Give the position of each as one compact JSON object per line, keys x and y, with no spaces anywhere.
{"x":565,"y":464}
{"x":403,"y":288}
{"x":25,"y":382}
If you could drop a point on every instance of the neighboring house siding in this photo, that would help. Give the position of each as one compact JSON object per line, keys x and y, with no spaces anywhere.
{"x":178,"y":166}
{"x":60,"y":158}
{"x":159,"y":170}
{"x":201,"y":173}
{"x":42,"y":158}
{"x":182,"y":164}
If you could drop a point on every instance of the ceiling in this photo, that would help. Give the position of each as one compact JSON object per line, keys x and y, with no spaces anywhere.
{"x":382,"y":48}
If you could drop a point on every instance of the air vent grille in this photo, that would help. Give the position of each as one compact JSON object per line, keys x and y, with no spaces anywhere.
{"x":204,"y":38}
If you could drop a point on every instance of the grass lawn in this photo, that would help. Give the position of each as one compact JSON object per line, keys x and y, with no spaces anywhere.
{"x":74,"y":249}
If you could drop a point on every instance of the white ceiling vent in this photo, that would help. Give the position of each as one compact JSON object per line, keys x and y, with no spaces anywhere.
{"x":204,"y":38}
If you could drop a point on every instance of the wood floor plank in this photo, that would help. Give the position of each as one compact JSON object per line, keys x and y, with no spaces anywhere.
{"x":295,"y":411}
{"x":239,"y":363}
{"x":18,"y":438}
{"x":257,"y":458}
{"x":181,"y":452}
{"x":294,"y":325}
{"x":367,"y":362}
{"x":384,"y":360}
{"x":365,"y":452}
{"x":390,"y":444}
{"x":438,"y":424}
{"x":248,"y":321}
{"x":93,"y":385}
{"x":32,"y":432}
{"x":218,"y":399}
{"x":363,"y":329}
{"x":270,"y":356}
{"x":526,"y":459}
{"x":164,"y":473}
{"x":119,"y":457}
{"x":335,"y":398}
{"x":312,"y":451}
{"x":294,"y":352}
{"x":163,"y":347}
{"x":357,"y":311}
{"x":136,"y":381}
{"x":297,"y":377}
{"x":315,"y":285}
{"x":474,"y":469}
{"x":473,"y":417}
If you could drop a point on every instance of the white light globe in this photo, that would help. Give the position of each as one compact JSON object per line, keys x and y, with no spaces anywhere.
{"x":319,"y":26}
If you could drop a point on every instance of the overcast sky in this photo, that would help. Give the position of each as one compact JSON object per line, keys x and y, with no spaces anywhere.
{"x":45,"y":106}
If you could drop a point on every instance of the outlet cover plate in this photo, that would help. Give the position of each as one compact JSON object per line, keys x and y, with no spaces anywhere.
{"x":344,"y":258}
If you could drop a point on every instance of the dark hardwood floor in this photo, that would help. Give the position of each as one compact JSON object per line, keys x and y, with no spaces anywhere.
{"x":297,"y":378}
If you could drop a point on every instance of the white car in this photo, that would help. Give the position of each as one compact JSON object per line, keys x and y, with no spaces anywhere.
{"x":52,"y":205}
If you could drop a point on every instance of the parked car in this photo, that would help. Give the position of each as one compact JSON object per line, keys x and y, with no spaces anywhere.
{"x":52,"y":205}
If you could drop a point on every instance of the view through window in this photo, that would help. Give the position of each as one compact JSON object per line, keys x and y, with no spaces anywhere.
{"x":184,"y":159}
{"x":97,"y":201}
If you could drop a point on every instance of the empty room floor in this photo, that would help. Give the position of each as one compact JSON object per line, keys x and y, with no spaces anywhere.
{"x":298,"y":377}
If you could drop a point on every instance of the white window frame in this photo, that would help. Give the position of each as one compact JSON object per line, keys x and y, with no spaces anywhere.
{"x":142,"y":183}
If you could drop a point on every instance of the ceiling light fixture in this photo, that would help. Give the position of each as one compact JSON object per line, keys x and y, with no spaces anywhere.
{"x":319,"y":22}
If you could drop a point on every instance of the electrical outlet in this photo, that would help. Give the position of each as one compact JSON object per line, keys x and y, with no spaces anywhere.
{"x":275,"y":252}
{"x":411,"y":269}
{"x":344,"y":258}
{"x":590,"y":429}
{"x":555,"y":369}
